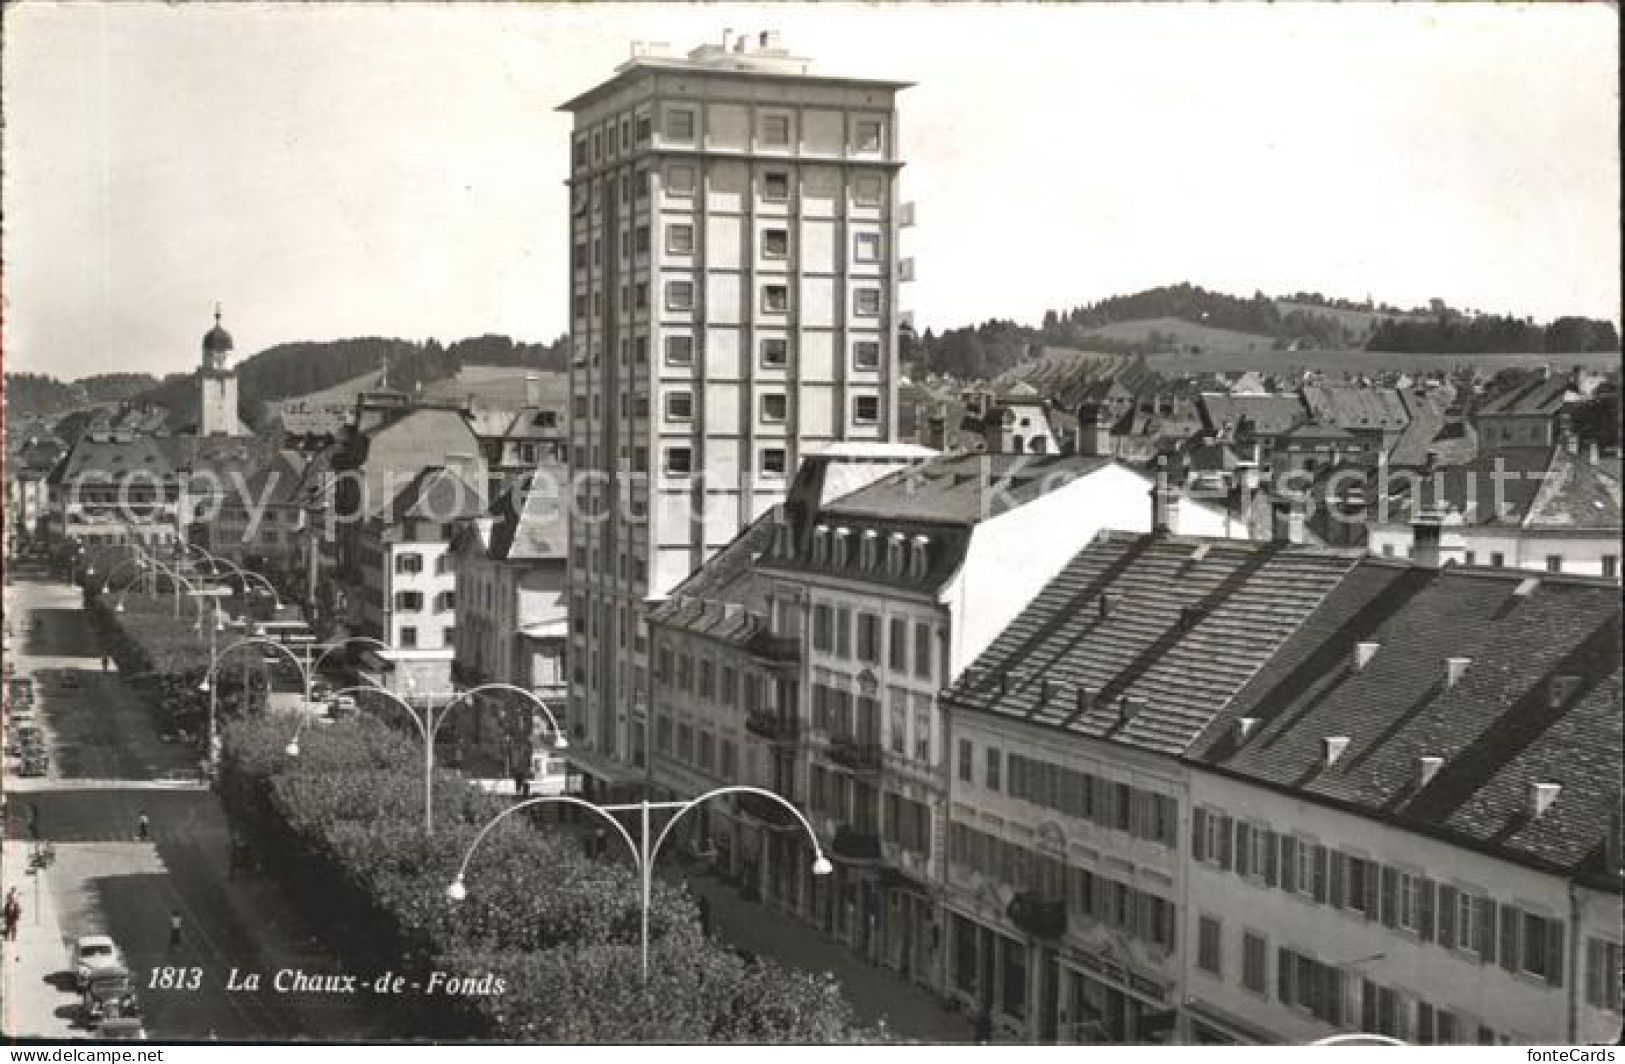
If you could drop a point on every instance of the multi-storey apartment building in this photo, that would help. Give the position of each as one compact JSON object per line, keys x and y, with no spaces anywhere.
{"x":807,"y":658}
{"x":1407,"y":823}
{"x":733,"y":304}
{"x":1065,"y":877}
{"x":1220,"y":792}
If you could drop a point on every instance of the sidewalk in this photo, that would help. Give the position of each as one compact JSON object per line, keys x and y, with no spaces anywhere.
{"x":30,"y":1003}
{"x":877,"y":994}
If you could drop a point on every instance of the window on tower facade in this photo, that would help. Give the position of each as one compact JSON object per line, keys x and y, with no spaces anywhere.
{"x":680,"y":179}
{"x":866,"y":354}
{"x":775,"y":298}
{"x":775,"y":407}
{"x":680,"y":238}
{"x":680,"y":406}
{"x":679,"y":350}
{"x":776,"y":130}
{"x":866,"y":302}
{"x":775,"y":243}
{"x":680,"y":124}
{"x":679,"y":460}
{"x":679,"y":295}
{"x":866,"y":135}
{"x":866,"y":191}
{"x":776,"y":185}
{"x":866,"y":247}
{"x":775,"y":352}
{"x":773,"y":461}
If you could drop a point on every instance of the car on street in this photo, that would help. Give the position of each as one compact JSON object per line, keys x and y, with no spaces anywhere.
{"x":93,"y":955}
{"x":122,"y":1029}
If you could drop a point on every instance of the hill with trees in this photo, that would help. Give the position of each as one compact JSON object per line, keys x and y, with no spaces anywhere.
{"x":1188,"y":319}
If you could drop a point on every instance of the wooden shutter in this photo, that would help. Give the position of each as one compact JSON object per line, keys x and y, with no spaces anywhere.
{"x":1199,"y":834}
{"x":1484,"y":937}
{"x":1554,"y":952}
{"x":1390,"y":897}
{"x":1283,"y":976}
{"x":1322,"y":861}
{"x":1244,"y":849}
{"x":1426,"y":905}
{"x":1594,"y":971}
{"x":1271,"y":858}
{"x":1447,"y":916}
{"x":1335,"y":896}
{"x":1371,"y":889}
{"x":1509,"y":938}
{"x":1289,"y":863}
{"x":1226,"y":842}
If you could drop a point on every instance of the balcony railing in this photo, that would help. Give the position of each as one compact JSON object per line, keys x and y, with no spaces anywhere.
{"x":860,"y":755}
{"x":777,"y":647}
{"x":766,"y":811}
{"x":856,"y":843}
{"x":1037,"y":915}
{"x":772,"y":727}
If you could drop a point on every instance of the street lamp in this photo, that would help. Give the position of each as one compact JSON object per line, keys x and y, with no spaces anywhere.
{"x":643,"y":853}
{"x":428,"y":725}
{"x":210,"y":687}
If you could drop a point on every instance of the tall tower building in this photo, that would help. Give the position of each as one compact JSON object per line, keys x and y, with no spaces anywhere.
{"x":217,"y":385}
{"x":733,"y":297}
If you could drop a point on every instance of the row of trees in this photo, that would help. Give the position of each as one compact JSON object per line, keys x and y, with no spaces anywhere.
{"x":164,"y":657}
{"x":557,"y":929}
{"x":1494,"y":334}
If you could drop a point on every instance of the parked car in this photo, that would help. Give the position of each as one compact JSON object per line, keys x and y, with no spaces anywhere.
{"x":122,"y":1029}
{"x":93,"y":955}
{"x":110,"y":993}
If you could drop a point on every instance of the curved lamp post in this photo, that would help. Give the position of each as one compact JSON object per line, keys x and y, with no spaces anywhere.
{"x":241,"y":572}
{"x":212,"y":688}
{"x":428,"y":725}
{"x":643,"y":853}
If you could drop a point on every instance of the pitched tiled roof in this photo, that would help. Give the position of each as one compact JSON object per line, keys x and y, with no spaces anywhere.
{"x":1354,"y":408}
{"x":531,"y":523}
{"x":1179,"y":623}
{"x":436,"y":494}
{"x":1499,"y":728}
{"x":1270,"y":414}
{"x":724,"y":575}
{"x":1535,"y":487}
{"x":1061,"y":373}
{"x":1534,"y":397}
{"x":963,"y":489}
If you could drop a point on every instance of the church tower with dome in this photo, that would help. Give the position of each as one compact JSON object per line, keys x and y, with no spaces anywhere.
{"x":217,"y":385}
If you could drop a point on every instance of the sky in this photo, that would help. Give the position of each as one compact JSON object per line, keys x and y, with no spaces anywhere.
{"x":337,"y":170}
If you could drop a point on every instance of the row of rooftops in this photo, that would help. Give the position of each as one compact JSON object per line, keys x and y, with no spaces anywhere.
{"x":1437,"y":699}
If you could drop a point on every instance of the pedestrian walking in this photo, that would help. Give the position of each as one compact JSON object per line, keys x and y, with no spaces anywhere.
{"x":174,"y":929}
{"x":143,"y":828}
{"x":13,"y":913}
{"x":600,"y":842}
{"x":704,"y":905}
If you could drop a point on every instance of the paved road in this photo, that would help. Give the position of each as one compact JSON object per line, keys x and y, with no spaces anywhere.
{"x":108,"y":767}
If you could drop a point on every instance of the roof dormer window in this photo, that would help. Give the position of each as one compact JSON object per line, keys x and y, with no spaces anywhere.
{"x":843,"y":547}
{"x":894,"y":554}
{"x":820,"y":549}
{"x":917,"y":557}
{"x":870,"y":556}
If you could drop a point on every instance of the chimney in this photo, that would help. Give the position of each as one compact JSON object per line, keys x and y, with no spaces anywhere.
{"x":1086,"y":700}
{"x":1129,"y":707}
{"x":936,"y":429}
{"x":1104,"y":606}
{"x":1454,"y":670}
{"x":1350,"y":515}
{"x":533,"y":389}
{"x":1095,"y":433}
{"x":1562,"y":689}
{"x":1245,"y":726}
{"x":1046,"y":691}
{"x":1426,"y":768}
{"x":1333,"y":747}
{"x":1427,"y":534}
{"x":727,"y":39}
{"x":1541,"y":797}
{"x":1287,"y":520}
{"x":1164,"y":506}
